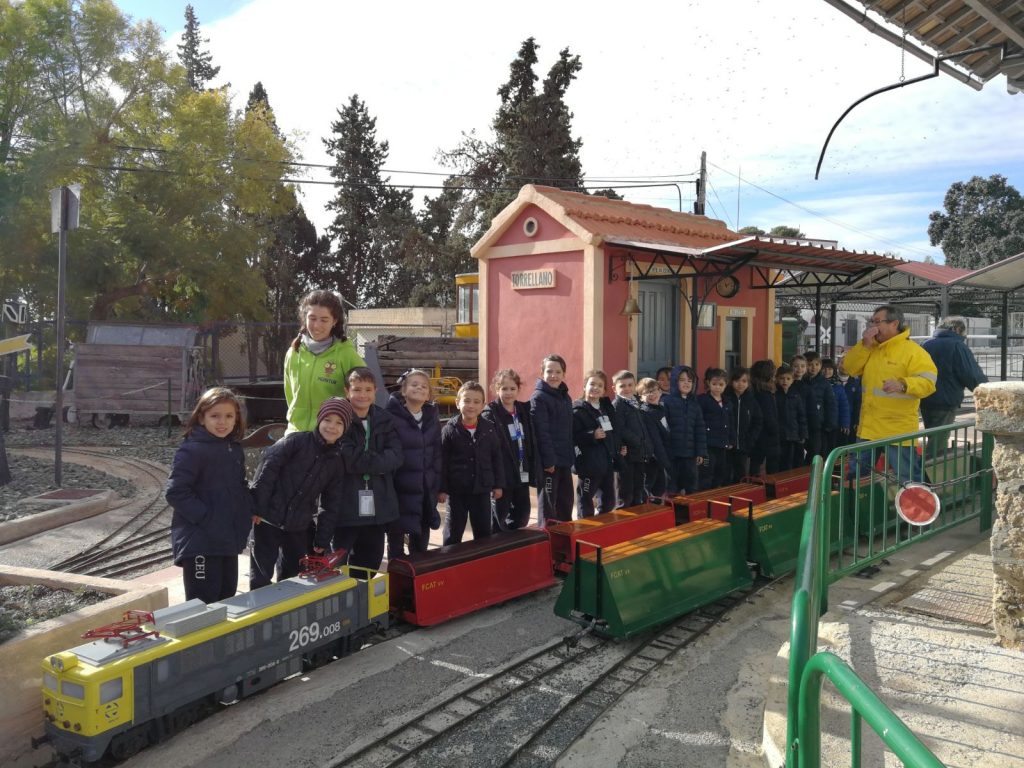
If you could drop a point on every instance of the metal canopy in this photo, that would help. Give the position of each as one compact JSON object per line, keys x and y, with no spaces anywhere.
{"x":1003,"y":276}
{"x":949,"y":27}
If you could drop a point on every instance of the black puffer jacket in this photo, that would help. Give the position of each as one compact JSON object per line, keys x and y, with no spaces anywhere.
{"x":594,"y":458}
{"x":293,"y":473}
{"x":746,"y":419}
{"x":551,"y":412}
{"x":792,"y":416}
{"x":471,"y":463}
{"x":633,"y":431}
{"x":768,"y":439}
{"x":368,"y":464}
{"x":656,"y":421}
{"x":496,"y":413}
{"x":212,"y":505}
{"x":420,"y":473}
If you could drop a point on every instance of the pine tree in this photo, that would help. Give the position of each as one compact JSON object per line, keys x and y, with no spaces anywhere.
{"x":374,"y":227}
{"x":198,"y":63}
{"x":532,"y":143}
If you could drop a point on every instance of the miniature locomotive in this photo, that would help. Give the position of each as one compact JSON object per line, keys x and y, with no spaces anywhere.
{"x":151,"y":675}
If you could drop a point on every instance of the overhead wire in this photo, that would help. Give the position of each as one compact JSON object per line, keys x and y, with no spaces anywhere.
{"x":824,"y":217}
{"x":719,"y":199}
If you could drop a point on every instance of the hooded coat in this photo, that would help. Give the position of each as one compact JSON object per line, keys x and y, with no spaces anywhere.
{"x":551,"y":414}
{"x":420,"y":473}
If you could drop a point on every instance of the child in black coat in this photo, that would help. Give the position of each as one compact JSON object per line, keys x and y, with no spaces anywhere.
{"x":792,"y":419}
{"x":764,"y":454}
{"x":293,"y":475}
{"x":213,"y":509}
{"x":633,"y":437}
{"x":658,"y":464}
{"x":721,"y":433}
{"x":512,"y":418}
{"x":746,"y":422}
{"x":471,"y":467}
{"x":357,"y":522}
{"x":596,"y":439}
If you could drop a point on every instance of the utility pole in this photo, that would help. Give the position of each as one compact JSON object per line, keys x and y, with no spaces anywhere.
{"x":63,"y":216}
{"x":702,"y":185}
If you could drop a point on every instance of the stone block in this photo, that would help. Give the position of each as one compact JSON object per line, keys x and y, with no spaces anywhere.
{"x":21,"y":708}
{"x":1000,"y":407}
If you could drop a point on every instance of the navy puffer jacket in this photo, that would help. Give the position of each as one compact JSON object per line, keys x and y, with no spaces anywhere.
{"x":594,"y":458}
{"x":747,"y":419}
{"x":471,"y":463}
{"x":289,"y":480}
{"x":551,"y":413}
{"x":632,"y":430}
{"x":958,"y":370}
{"x":687,"y":434}
{"x":420,"y":473}
{"x":718,"y":421}
{"x":768,"y":441}
{"x":212,"y":505}
{"x":792,"y":416}
{"x":497,"y":414}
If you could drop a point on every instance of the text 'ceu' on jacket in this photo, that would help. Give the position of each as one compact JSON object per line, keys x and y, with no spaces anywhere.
{"x":887,"y":414}
{"x":471,"y":463}
{"x":207,"y":489}
{"x":291,"y":477}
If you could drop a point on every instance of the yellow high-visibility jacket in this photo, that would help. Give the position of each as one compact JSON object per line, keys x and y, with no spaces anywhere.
{"x":887,"y":414}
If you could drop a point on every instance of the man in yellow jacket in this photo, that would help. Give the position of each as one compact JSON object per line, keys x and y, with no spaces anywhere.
{"x":896,"y":373}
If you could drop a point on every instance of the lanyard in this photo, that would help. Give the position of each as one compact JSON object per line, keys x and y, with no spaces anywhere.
{"x":366,"y":449}
{"x":519,"y":439}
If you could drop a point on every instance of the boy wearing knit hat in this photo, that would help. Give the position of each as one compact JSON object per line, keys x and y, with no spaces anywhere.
{"x":295,"y":478}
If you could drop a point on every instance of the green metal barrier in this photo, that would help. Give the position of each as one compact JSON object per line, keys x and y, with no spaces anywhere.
{"x":865,"y":705}
{"x":865,"y":530}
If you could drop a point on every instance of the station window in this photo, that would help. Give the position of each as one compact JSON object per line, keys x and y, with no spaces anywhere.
{"x":72,"y":690}
{"x":112,"y":689}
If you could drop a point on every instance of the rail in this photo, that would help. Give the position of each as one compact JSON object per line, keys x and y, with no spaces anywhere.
{"x":851,"y":523}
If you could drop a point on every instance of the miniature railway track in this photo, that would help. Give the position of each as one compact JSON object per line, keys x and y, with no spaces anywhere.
{"x":570,"y":707}
{"x":129,"y":547}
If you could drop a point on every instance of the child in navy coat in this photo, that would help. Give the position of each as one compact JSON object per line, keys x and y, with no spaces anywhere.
{"x":472,"y":470}
{"x":633,"y":437}
{"x":298,"y":474}
{"x":213,"y":509}
{"x":551,"y":416}
{"x":792,"y":419}
{"x":418,"y":480}
{"x":721,"y":433}
{"x":512,"y":418}
{"x":656,"y":420}
{"x":596,"y":437}
{"x":746,"y":422}
{"x":688,"y":439}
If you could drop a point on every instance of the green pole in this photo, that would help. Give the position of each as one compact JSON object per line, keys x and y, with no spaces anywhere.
{"x":987,"y":446}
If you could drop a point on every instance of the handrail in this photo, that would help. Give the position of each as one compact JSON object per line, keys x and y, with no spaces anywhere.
{"x":803,"y":629}
{"x":815,"y":571}
{"x":865,"y":704}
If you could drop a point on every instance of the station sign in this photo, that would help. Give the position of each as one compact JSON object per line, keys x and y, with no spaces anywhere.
{"x":533,"y":278}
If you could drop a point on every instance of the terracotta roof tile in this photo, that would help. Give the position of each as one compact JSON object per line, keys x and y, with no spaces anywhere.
{"x":633,"y":221}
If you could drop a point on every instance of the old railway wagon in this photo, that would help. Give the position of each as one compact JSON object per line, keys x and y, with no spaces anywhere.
{"x":151,"y":675}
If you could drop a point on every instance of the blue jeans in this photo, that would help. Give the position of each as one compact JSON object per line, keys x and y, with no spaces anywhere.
{"x":903,"y":460}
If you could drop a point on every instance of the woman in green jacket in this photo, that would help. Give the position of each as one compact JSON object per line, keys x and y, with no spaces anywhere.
{"x":319,"y":360}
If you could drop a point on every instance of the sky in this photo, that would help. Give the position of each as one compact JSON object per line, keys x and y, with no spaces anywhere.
{"x":757,"y":84}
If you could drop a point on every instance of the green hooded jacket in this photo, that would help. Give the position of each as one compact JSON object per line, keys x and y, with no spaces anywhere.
{"x":310,"y":379}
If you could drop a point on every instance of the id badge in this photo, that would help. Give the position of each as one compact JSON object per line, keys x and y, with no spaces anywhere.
{"x":513,"y":431}
{"x":524,"y":477}
{"x":366,"y":503}
{"x":605,"y":422}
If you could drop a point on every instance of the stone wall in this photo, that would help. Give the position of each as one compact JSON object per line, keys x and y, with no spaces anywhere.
{"x":1000,"y":408}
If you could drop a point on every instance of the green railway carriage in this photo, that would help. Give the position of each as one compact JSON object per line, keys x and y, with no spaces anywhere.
{"x":638,"y":584}
{"x":152,"y":675}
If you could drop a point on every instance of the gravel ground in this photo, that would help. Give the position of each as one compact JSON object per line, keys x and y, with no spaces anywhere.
{"x":23,"y":606}
{"x":34,"y":476}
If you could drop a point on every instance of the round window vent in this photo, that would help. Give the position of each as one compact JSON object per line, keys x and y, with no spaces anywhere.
{"x":530,"y":227}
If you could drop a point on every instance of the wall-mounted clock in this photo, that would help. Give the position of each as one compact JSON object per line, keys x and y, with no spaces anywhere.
{"x":727,"y":287}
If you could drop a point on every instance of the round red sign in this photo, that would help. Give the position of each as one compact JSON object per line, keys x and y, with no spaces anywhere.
{"x":917,"y":504}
